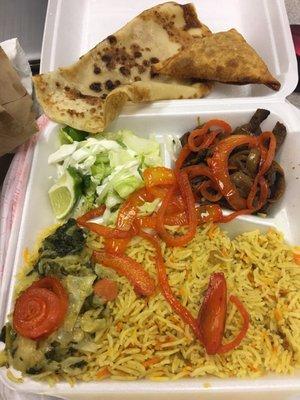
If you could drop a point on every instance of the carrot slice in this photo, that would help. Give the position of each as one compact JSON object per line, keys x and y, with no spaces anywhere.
{"x":106,"y":289}
{"x":296,"y":255}
{"x":151,"y":361}
{"x":103,"y":373}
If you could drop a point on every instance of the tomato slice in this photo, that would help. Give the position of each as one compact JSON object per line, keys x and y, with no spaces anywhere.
{"x":40,"y":309}
{"x":53,"y":284}
{"x":212,"y":315}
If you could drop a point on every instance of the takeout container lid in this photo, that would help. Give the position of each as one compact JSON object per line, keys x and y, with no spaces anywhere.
{"x":74,"y":26}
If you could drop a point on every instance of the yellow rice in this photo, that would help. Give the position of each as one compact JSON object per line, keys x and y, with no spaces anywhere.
{"x":144,"y":338}
{"x":259,"y":269}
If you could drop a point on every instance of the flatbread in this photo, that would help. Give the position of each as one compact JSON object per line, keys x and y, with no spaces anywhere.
{"x":223,"y":57}
{"x":89,"y":94}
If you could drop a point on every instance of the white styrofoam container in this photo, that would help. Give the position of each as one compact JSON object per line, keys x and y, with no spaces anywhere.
{"x":37,"y":215}
{"x":74,"y":26}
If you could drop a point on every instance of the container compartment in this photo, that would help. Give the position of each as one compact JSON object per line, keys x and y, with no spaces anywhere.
{"x":37,"y":215}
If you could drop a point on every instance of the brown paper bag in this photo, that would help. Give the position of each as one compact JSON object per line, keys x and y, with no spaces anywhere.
{"x":17,"y":118}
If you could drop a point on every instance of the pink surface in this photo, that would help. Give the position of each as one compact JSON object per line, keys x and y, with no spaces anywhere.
{"x":13,"y":191}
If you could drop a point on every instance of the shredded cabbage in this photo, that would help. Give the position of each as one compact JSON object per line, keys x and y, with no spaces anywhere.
{"x":149,"y":208}
{"x":110,"y":166}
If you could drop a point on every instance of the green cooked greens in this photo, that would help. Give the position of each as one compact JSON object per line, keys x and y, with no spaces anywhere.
{"x":67,"y":239}
{"x":63,"y":254}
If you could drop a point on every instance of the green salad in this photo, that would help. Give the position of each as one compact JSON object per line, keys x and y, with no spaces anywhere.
{"x":102,"y":169}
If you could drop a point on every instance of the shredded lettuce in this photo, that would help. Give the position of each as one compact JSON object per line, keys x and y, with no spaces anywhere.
{"x":149,"y":208}
{"x":110,"y":166}
{"x":138,"y":144}
{"x":66,"y":150}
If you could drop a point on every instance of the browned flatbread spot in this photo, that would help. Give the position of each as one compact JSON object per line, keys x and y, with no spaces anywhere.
{"x":89,"y":94}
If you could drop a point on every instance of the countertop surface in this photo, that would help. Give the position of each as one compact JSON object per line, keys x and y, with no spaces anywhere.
{"x":293,"y":10}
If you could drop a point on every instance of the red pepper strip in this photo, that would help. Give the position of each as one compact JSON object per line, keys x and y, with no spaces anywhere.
{"x":179,"y":219}
{"x":212,"y":314}
{"x":127,"y":212}
{"x":157,"y":191}
{"x":209,"y":212}
{"x":96,"y":212}
{"x":157,"y":176}
{"x":187,"y":194}
{"x":267,"y":159}
{"x":201,"y":132}
{"x":219,"y":167}
{"x":116,"y":246}
{"x":209,"y":139}
{"x":203,"y":189}
{"x":235,"y":214}
{"x":224,"y":348}
{"x":142,"y":282}
{"x":180,"y":310}
{"x":147,"y":221}
{"x":197,"y":170}
{"x":176,"y":204}
{"x":264,"y":191}
{"x":196,"y":135}
{"x":150,"y":221}
{"x":220,"y":124}
{"x":106,"y":231}
{"x":184,"y":152}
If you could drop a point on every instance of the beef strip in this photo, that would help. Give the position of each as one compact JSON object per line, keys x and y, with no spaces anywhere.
{"x":279,"y":131}
{"x":253,"y":126}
